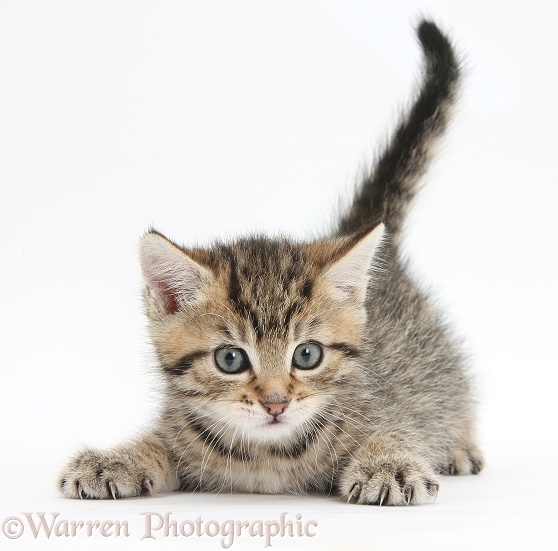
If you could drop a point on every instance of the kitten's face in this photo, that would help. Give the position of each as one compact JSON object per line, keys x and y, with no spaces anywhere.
{"x":260,"y":338}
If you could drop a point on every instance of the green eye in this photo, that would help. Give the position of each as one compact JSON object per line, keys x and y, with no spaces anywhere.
{"x":307,"y":355}
{"x":231,"y":360}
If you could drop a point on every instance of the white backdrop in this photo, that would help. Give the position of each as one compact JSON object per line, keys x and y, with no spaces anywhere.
{"x":213,"y":119}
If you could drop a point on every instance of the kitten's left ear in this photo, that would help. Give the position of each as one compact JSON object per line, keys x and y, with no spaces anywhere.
{"x":350,"y":273}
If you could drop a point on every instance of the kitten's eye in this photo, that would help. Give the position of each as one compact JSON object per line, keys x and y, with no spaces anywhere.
{"x":307,"y":355}
{"x":231,"y":360}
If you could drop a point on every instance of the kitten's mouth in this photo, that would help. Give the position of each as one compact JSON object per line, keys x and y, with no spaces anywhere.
{"x":275,"y":422}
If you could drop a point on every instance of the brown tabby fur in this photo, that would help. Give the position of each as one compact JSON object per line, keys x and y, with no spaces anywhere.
{"x":387,"y":409}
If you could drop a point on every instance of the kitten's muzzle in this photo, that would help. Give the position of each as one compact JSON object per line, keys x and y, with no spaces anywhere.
{"x":275,"y":409}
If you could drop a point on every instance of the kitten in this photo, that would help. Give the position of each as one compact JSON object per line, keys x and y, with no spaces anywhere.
{"x":295,"y":367}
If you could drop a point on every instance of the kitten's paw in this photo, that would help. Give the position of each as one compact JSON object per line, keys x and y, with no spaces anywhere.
{"x":465,"y":460}
{"x":397,"y":481}
{"x":97,"y":475}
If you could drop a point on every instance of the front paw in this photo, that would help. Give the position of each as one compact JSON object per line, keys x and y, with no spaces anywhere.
{"x":97,"y":475}
{"x":402,"y":480}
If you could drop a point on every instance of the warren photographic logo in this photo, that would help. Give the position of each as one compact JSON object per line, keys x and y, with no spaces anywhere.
{"x":159,"y":526}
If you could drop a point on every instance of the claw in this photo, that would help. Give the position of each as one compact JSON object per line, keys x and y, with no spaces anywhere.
{"x":147,"y":485}
{"x":80,"y":491}
{"x":383,"y":494}
{"x":409,"y":492}
{"x":113,"y":489}
{"x":432,"y":488}
{"x":476,"y":466}
{"x":354,"y":494}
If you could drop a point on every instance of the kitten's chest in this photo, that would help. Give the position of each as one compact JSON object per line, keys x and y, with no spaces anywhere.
{"x":211,"y":466}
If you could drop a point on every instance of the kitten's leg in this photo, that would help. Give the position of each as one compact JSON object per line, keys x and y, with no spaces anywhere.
{"x":384,"y":472}
{"x":140,"y":467}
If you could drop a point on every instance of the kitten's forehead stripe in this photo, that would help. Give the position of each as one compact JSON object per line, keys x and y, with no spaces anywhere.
{"x":268,"y":283}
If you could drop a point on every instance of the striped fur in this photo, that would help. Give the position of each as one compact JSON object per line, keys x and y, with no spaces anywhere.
{"x":384,"y":410}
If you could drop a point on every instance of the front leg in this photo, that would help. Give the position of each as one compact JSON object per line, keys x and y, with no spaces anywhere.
{"x":383,"y":471}
{"x":140,"y":467}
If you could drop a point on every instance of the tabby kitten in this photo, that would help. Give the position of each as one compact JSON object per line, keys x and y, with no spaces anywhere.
{"x":295,"y":367}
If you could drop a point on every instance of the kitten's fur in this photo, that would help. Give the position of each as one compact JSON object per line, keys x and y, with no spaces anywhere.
{"x":387,"y":409}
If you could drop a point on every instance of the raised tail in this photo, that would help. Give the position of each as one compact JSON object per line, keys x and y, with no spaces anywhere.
{"x":386,"y":194}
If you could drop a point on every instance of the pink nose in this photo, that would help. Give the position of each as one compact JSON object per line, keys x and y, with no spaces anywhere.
{"x":275,"y":409}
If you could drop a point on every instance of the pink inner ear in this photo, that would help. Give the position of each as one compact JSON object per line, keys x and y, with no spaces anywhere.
{"x":169,"y":297}
{"x":175,"y":280}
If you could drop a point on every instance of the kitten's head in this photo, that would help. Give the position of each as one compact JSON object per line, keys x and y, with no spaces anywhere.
{"x":259,"y":337}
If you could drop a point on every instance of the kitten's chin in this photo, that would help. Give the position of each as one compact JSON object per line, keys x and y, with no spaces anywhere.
{"x":271,"y":432}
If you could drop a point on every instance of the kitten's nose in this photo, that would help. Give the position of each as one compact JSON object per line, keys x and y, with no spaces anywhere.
{"x":275,"y":409}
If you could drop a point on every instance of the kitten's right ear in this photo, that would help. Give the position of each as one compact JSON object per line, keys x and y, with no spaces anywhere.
{"x":173,"y":279}
{"x":350,"y":272}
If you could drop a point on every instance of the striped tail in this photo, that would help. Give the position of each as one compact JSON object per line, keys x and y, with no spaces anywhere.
{"x":386,"y":194}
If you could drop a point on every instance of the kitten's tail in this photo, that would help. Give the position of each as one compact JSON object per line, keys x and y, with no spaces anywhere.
{"x":385,"y":195}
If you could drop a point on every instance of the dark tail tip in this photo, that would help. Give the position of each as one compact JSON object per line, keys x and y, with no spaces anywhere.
{"x":431,"y":37}
{"x":438,"y":51}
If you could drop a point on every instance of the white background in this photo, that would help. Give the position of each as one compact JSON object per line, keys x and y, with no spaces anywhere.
{"x":213,"y":119}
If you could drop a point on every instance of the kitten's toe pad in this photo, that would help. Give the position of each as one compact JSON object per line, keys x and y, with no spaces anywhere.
{"x":97,"y":475}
